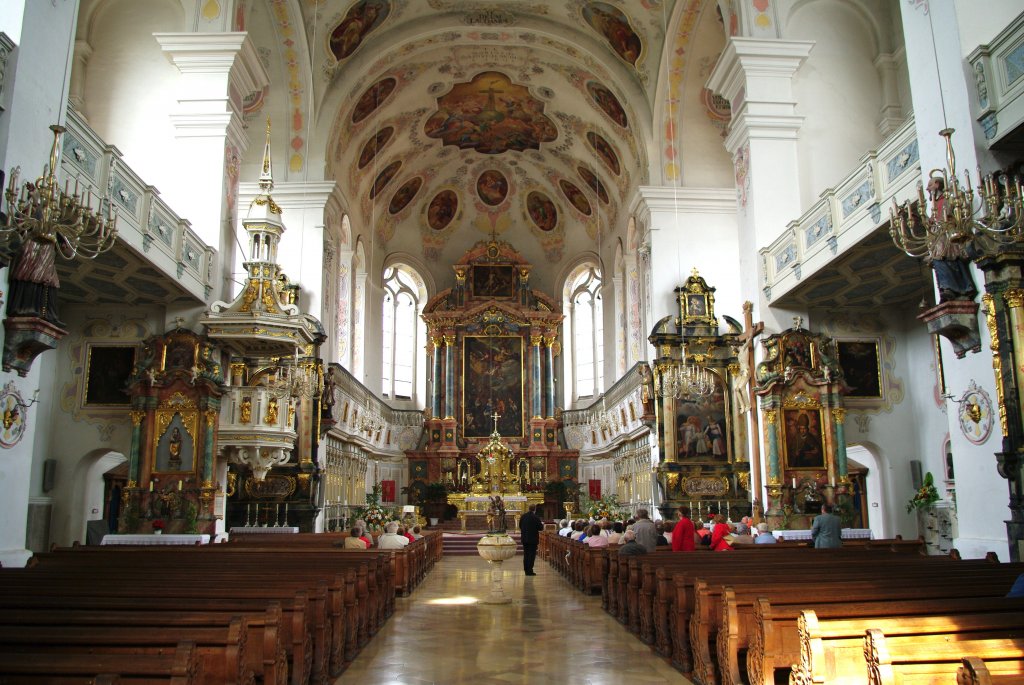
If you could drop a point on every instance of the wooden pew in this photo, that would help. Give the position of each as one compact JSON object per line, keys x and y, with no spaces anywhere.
{"x":974,"y":671}
{"x":924,"y":649}
{"x":263,"y":653}
{"x":775,"y":642}
{"x":177,"y":667}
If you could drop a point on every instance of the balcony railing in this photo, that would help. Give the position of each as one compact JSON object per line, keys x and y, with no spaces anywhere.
{"x":612,"y":418}
{"x":362,"y":417}
{"x":998,"y":69}
{"x":144,"y":221}
{"x":844,"y":215}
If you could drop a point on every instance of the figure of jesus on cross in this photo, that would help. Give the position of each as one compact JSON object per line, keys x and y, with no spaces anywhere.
{"x":495,"y":416}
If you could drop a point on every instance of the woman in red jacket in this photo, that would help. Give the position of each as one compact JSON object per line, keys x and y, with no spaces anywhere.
{"x":718,"y":534}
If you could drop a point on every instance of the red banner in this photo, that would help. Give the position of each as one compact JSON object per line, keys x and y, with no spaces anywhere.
{"x":595,"y":489}
{"x":387,"y":491}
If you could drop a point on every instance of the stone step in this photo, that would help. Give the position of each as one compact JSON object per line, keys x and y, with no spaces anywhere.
{"x":457,"y":544}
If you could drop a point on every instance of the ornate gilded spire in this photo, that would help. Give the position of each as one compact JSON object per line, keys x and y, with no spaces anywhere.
{"x":266,"y":181}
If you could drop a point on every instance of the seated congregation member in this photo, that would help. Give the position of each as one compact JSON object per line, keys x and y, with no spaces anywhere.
{"x":719,"y":533}
{"x":391,"y":539}
{"x":646,"y":533}
{"x":615,"y":537}
{"x":630,"y":546}
{"x":827,"y":529}
{"x":354,"y":540}
{"x":565,"y":528}
{"x":577,"y":530}
{"x":683,"y":535}
{"x":595,"y":538}
{"x":660,"y":540}
{"x":404,"y":530}
{"x":606,"y":527}
{"x":365,"y":536}
{"x":416,"y":533}
{"x":764,"y":536}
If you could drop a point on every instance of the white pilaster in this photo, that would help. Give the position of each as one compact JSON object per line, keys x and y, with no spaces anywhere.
{"x":939,"y":91}
{"x":217,"y":71}
{"x":891,"y":115}
{"x":756,"y":76}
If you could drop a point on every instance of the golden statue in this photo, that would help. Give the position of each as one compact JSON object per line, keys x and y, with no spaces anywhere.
{"x":245,"y":411}
{"x":174,"y":447}
{"x":271,"y":418}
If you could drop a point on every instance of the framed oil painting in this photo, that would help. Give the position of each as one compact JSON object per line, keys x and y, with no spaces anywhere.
{"x":702,"y":426}
{"x":107,"y":370}
{"x":492,"y":382}
{"x":804,"y":445}
{"x":862,"y":369}
{"x":494,"y":280}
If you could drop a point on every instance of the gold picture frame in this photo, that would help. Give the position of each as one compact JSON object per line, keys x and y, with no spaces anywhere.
{"x":861,"y":362}
{"x":176,"y":447}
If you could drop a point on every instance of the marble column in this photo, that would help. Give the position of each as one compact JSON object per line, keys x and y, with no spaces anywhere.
{"x":536,"y":409}
{"x":449,"y":377}
{"x":435,"y":391}
{"x":839,"y":416}
{"x":549,"y":380}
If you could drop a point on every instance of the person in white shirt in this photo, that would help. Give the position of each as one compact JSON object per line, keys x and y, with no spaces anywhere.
{"x":566,"y":528}
{"x":391,"y":539}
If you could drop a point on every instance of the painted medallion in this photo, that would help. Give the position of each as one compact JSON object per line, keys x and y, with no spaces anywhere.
{"x":492,"y":187}
{"x":404,"y":195}
{"x":442,"y":209}
{"x":611,"y":23}
{"x":575,"y":196}
{"x":542,"y":210}
{"x":362,"y":18}
{"x":608,"y":103}
{"x":604,"y":151}
{"x":374,"y":145}
{"x":593,"y":182}
{"x":372,"y":98}
{"x":384,"y":177}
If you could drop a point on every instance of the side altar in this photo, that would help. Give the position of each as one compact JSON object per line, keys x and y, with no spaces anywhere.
{"x":492,"y":343}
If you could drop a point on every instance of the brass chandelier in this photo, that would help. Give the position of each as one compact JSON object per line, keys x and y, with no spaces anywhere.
{"x":43,"y":212}
{"x":676,"y":379}
{"x":958,"y":214}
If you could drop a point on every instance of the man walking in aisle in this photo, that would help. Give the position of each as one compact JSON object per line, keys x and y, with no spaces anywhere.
{"x":530,"y":527}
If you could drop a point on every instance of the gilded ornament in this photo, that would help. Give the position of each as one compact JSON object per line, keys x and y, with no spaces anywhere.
{"x":449,"y":340}
{"x":136,"y":417}
{"x":268,"y":297}
{"x":271,"y":417}
{"x":535,"y":340}
{"x":245,"y":410}
{"x":291,"y":414}
{"x":734,"y":369}
{"x":251,"y":294}
{"x":838,"y":415}
{"x":1014,"y":297}
{"x":211,"y":416}
{"x":997,"y":361}
{"x":769,"y":416}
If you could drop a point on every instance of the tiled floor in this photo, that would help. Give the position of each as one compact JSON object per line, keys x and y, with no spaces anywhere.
{"x":550,"y":633}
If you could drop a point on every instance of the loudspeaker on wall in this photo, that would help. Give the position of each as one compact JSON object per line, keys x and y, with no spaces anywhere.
{"x":915,"y":474}
{"x":49,"y":474}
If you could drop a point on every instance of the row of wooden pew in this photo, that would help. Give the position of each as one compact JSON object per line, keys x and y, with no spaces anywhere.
{"x":292,"y":611}
{"x":735,"y":617}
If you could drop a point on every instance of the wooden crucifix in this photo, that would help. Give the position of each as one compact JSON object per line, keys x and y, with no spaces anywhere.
{"x":750,"y":331}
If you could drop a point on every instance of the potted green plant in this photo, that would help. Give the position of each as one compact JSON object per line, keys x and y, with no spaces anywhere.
{"x":435,"y":501}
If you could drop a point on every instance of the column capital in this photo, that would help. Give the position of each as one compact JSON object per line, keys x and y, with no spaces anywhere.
{"x":649,"y":201}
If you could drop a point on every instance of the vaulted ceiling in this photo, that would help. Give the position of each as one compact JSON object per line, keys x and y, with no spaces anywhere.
{"x":444,"y":121}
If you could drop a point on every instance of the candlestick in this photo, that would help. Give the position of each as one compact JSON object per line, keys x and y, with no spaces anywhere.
{"x":286,"y":513}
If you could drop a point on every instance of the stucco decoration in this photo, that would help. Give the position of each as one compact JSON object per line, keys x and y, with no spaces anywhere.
{"x":360,"y":20}
{"x":491,"y":115}
{"x":13,"y":415}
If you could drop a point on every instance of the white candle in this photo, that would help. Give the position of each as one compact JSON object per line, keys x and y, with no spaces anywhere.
{"x":179,"y":486}
{"x":794,"y":483}
{"x":151,"y":486}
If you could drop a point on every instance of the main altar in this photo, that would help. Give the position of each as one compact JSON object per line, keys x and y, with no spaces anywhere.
{"x":492,"y":426}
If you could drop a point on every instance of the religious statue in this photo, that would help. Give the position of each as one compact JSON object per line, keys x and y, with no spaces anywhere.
{"x":271,"y":418}
{"x":947,"y":254}
{"x":245,"y":411}
{"x":174,"y":448}
{"x":497,"y":514}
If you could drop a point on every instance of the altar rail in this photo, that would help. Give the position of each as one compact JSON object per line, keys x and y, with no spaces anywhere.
{"x":844,"y":215}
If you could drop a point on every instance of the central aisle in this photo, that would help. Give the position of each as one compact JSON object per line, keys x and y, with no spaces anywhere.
{"x":550,"y":633}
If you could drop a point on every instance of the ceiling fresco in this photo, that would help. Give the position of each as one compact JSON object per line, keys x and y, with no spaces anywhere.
{"x":491,"y":115}
{"x":445,"y":121}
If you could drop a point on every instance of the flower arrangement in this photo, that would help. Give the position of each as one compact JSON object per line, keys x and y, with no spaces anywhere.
{"x":374,"y":513}
{"x":158,"y":524}
{"x":926,"y":496}
{"x":607,"y":507}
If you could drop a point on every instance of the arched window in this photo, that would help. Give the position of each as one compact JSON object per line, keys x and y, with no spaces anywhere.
{"x":402,"y":332}
{"x":586,"y":328}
